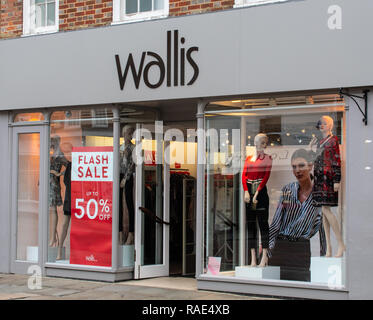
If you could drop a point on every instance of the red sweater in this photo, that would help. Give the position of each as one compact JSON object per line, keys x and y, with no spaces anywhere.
{"x":260,"y":169}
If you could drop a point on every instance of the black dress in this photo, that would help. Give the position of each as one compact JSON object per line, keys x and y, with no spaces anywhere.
{"x":57,"y":161}
{"x":67,"y":182}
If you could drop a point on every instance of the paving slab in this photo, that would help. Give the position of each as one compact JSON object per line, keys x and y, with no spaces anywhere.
{"x":15,"y":296}
{"x":15,"y":287}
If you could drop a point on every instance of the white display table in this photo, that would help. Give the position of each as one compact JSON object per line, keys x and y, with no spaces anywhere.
{"x":258,"y":273}
{"x":126,"y":255}
{"x":32,"y":253}
{"x":327,"y":270}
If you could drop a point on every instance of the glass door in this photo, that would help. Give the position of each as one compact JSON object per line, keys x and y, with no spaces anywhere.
{"x":26,"y":241}
{"x":152,"y":204}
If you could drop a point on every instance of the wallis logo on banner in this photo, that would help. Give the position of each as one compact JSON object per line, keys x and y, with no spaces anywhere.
{"x":91,"y":206}
{"x":178,"y":55}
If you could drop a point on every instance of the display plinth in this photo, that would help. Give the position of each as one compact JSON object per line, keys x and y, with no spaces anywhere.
{"x":126,"y":255}
{"x":52,"y":253}
{"x":32,"y":253}
{"x":327,"y":270}
{"x":258,"y":273}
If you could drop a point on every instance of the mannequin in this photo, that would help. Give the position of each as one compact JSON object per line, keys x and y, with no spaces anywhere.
{"x":127,"y":178}
{"x":327,"y":180}
{"x":66,"y":206}
{"x":57,"y":160}
{"x":255,"y":175}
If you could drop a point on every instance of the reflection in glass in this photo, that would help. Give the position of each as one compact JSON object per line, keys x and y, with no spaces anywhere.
{"x":23,"y":117}
{"x":74,"y":128}
{"x":40,"y":11}
{"x":131,"y":6}
{"x":51,"y":14}
{"x":158,"y":4}
{"x":28,"y":196}
{"x":145,"y":5}
{"x":289,"y":127}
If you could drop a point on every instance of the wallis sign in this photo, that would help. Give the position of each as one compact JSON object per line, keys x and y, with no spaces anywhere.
{"x":173,"y":69}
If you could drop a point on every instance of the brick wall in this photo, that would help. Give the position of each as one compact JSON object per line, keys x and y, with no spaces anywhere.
{"x":11,"y":18}
{"x":184,"y":7}
{"x":77,"y":14}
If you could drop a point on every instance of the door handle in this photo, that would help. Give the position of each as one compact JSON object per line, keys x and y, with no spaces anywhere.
{"x":153,"y":216}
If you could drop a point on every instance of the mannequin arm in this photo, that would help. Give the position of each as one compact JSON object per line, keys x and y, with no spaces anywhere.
{"x":336,"y":187}
{"x":247,"y":197}
{"x":255,"y":196}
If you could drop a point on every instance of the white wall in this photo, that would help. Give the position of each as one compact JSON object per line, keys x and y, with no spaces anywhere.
{"x":359,"y":215}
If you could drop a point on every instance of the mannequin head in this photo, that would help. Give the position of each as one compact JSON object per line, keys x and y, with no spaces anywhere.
{"x":325,"y":124}
{"x":55,"y":142}
{"x":127,"y":132}
{"x":260,"y":142}
{"x":301,"y":162}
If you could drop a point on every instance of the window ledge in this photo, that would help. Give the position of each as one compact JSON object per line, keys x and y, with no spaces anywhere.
{"x":24,"y":35}
{"x":275,"y":283}
{"x":258,"y":3}
{"x":139,"y":19}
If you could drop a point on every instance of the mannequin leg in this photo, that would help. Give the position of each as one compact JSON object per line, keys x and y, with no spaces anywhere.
{"x":53,"y":240}
{"x":65,"y":227}
{"x":253,"y":258}
{"x":335,"y":227}
{"x":131,"y":210}
{"x":264,"y":232}
{"x":251,"y":234}
{"x":327,"y":235}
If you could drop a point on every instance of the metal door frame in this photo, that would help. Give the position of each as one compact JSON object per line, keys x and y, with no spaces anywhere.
{"x":21,"y":266}
{"x":156,"y":270}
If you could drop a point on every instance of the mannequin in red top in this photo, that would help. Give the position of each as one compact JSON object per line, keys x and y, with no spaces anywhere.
{"x":255,"y":175}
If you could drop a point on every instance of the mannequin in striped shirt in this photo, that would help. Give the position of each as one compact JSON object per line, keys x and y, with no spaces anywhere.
{"x":295,"y":222}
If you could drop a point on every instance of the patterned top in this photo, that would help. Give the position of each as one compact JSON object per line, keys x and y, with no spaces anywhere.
{"x":127,"y":165}
{"x":328,"y":158}
{"x":296,"y":220}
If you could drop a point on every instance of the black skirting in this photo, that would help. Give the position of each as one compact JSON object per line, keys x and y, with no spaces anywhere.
{"x":293,"y":258}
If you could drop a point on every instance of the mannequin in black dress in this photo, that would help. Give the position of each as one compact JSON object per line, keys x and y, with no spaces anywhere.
{"x":57,"y":161}
{"x":66,"y":206}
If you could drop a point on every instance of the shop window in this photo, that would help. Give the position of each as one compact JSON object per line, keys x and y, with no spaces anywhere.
{"x":275,"y":190}
{"x":80,"y":189}
{"x":242,"y":3}
{"x":26,"y":117}
{"x":40,"y":16}
{"x":134,"y":10}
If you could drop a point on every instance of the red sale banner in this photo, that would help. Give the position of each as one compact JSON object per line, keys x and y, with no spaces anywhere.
{"x":91,"y":206}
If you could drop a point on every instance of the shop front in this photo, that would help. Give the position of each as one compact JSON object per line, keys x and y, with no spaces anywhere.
{"x":168,"y":147}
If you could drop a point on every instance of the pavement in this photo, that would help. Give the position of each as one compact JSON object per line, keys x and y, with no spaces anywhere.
{"x":15,"y":287}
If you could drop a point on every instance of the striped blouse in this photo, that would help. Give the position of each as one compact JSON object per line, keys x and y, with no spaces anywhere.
{"x":296,"y":220}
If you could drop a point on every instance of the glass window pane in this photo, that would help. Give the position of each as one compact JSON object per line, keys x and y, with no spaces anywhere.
{"x":158,"y":4}
{"x":80,"y":183}
{"x":28,"y":196}
{"x":145,"y":5}
{"x":131,"y":6}
{"x":21,"y":117}
{"x":40,"y":15}
{"x":51,"y":14}
{"x":38,"y":2}
{"x":272,"y":169}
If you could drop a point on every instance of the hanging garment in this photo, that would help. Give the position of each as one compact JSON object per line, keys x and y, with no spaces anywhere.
{"x":56,"y":162}
{"x":67,"y":182}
